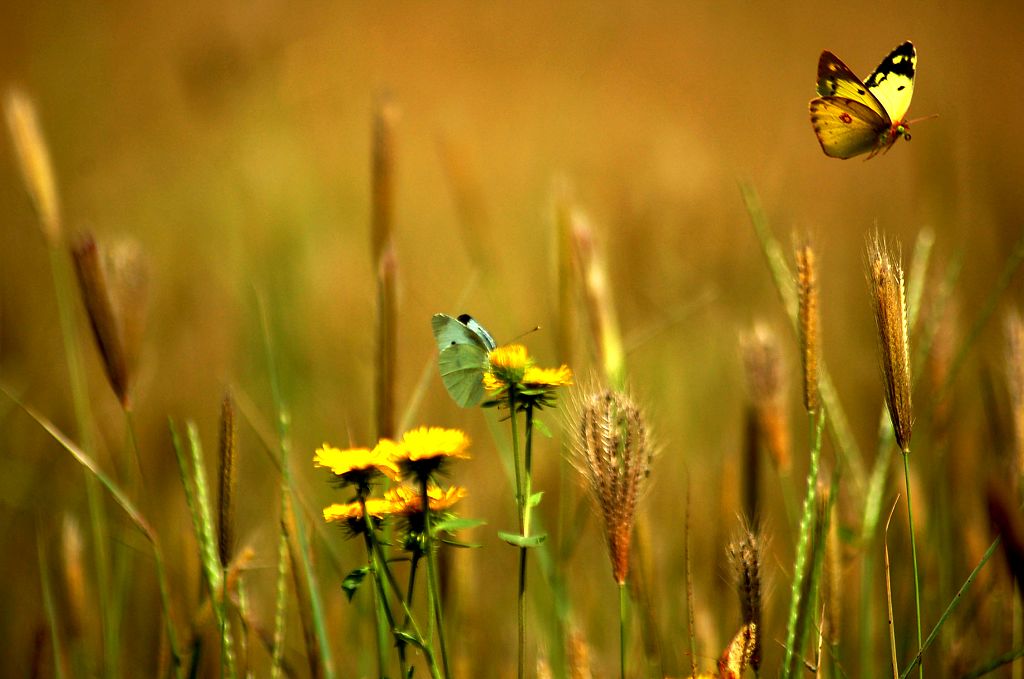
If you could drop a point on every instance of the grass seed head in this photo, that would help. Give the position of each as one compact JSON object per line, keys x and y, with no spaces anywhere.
{"x":226,"y":477}
{"x":34,"y":162}
{"x":113,"y":286}
{"x":745,"y":559}
{"x":613,"y":454}
{"x":889,"y":299}
{"x":762,"y":362}
{"x":810,"y":339}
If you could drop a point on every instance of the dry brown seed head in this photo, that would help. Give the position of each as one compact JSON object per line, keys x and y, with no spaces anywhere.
{"x":888,"y":293}
{"x":763,"y":365}
{"x":810,"y":339}
{"x":226,"y":478}
{"x":113,"y":288}
{"x":745,"y":559}
{"x":74,"y":575}
{"x":613,"y":454}
{"x":34,"y":162}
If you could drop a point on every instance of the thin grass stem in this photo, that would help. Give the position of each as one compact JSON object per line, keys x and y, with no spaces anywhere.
{"x":913,"y":550}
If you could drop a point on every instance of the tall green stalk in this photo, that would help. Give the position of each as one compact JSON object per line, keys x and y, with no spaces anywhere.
{"x":913,"y":549}
{"x":433,"y":587}
{"x":792,"y":655}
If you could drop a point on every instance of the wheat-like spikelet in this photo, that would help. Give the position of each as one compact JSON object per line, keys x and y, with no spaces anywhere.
{"x":74,"y":576}
{"x":593,"y":275}
{"x":113,"y":286}
{"x":810,"y":337}
{"x":745,"y":559}
{"x":614,"y":456}
{"x":762,"y":362}
{"x":888,"y":294}
{"x":226,"y":480}
{"x":34,"y":163}
{"x":578,"y":655}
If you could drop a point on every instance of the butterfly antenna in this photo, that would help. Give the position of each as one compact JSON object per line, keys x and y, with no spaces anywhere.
{"x":917,"y":120}
{"x":524,"y":334}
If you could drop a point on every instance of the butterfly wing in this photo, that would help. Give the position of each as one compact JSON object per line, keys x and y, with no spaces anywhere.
{"x":462,"y":372}
{"x":892,"y":83}
{"x":845,"y":127}
{"x":835,"y":79}
{"x":449,"y":331}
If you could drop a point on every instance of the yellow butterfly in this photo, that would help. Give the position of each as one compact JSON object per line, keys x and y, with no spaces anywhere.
{"x":852,"y":117}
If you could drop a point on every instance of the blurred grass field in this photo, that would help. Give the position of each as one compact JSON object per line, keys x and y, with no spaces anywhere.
{"x":233,"y":142}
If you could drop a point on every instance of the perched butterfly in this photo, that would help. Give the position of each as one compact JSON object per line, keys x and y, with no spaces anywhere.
{"x":852,"y":117}
{"x":464,"y":345}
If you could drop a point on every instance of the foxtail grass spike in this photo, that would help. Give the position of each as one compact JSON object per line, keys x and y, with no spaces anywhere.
{"x":762,"y":361}
{"x":34,"y":163}
{"x":745,"y":559}
{"x":614,"y":456}
{"x":227,"y":471}
{"x":808,"y":323}
{"x":604,"y":325}
{"x":888,"y":294}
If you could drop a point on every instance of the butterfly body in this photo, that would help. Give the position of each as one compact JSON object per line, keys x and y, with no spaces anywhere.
{"x":851,"y":116}
{"x":463,"y":344}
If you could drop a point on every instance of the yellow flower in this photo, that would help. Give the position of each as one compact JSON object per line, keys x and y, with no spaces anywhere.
{"x":493,"y":383}
{"x":350,"y":514}
{"x":422,"y":451}
{"x":546,"y":378}
{"x":357,"y":465}
{"x":406,"y":500}
{"x":508,"y":363}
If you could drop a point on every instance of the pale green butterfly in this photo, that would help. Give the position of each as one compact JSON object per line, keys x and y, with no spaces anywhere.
{"x":464,"y":345}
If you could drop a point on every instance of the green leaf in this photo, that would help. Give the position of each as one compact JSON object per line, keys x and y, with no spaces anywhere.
{"x":456,"y":523}
{"x":456,"y":543}
{"x":542,"y":428}
{"x":517,"y":540}
{"x":352,"y":581}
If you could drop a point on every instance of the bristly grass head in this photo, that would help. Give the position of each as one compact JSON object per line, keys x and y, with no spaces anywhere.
{"x":226,"y":481}
{"x":889,"y":299}
{"x":745,"y":554}
{"x":613,"y":454}
{"x":809,"y":322}
{"x":113,"y":285}
{"x":762,"y":362}
{"x":34,"y":163}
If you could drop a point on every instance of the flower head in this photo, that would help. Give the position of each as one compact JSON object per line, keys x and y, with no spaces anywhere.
{"x":424,"y":450}
{"x":406,"y":503}
{"x":510,"y":366}
{"x":358,"y":466}
{"x":350,"y":514}
{"x":508,"y":363}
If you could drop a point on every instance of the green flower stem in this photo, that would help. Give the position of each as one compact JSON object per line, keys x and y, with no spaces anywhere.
{"x":623,"y":601}
{"x":803,"y":543}
{"x":433,"y":589}
{"x":521,"y":513}
{"x":913,"y":549}
{"x":382,"y":611}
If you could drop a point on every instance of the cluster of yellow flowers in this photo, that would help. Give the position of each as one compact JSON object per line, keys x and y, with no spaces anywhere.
{"x":418,"y":455}
{"x":511,"y":366}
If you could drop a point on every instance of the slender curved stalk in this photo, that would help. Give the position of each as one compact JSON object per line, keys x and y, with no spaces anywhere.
{"x":623,"y":601}
{"x":521,"y":514}
{"x":913,"y":549}
{"x":803,"y":543}
{"x":433,"y":591}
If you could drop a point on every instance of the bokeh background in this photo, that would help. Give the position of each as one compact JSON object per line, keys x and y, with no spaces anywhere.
{"x":232,"y":142}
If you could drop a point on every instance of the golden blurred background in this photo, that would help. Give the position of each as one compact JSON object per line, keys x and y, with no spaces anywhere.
{"x":232,"y":141}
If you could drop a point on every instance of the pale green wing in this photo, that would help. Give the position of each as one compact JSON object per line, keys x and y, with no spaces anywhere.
{"x":449,"y":331}
{"x":892,"y":83}
{"x":835,"y":79}
{"x":462,"y":372}
{"x":845,"y":127}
